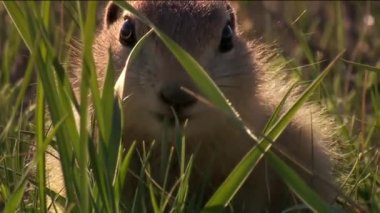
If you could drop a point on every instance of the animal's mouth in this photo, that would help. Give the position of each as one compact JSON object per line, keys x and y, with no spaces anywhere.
{"x":172,"y":118}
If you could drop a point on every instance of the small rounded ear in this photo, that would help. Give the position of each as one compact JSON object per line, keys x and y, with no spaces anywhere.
{"x":232,"y":16}
{"x":112,"y":13}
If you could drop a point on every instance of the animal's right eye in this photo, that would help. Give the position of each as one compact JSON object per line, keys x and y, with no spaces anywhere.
{"x":127,"y":35}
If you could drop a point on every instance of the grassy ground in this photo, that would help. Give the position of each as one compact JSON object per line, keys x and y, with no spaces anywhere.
{"x":311,"y":35}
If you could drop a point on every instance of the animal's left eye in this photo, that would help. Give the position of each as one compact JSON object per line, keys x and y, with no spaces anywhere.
{"x":226,"y":42}
{"x":127,"y":35}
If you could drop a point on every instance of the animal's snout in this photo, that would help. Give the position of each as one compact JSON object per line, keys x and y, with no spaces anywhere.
{"x":172,"y":95}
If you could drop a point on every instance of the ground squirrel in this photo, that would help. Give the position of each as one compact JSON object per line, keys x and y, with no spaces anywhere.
{"x":208,"y":31}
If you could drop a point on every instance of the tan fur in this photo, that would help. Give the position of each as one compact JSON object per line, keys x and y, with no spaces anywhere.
{"x":249,"y":80}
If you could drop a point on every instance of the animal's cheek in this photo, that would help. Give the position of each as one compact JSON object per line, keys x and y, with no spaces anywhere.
{"x":119,"y":58}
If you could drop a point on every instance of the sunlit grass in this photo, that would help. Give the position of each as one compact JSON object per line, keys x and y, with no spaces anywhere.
{"x":94,"y":162}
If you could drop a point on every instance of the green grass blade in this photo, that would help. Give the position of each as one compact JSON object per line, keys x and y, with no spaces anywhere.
{"x":41,"y":174}
{"x":20,"y":21}
{"x":165,"y":199}
{"x":113,"y":118}
{"x":153,"y":199}
{"x":88,"y":67}
{"x":123,"y":169}
{"x":16,"y":197}
{"x":88,"y":72}
{"x":276,"y":113}
{"x":184,"y":186}
{"x":363,"y":66}
{"x":97,"y":166}
{"x":107,"y":97}
{"x":45,"y":11}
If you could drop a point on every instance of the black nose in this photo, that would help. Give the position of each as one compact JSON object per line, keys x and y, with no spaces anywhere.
{"x":173,"y":95}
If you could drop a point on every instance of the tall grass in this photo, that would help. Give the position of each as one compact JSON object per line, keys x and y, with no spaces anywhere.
{"x":95,"y":164}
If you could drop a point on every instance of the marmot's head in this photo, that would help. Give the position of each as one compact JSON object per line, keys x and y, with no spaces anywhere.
{"x":207,"y":30}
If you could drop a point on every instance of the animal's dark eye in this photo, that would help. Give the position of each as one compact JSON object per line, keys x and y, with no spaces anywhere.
{"x":226,"y":43}
{"x":127,"y":35}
